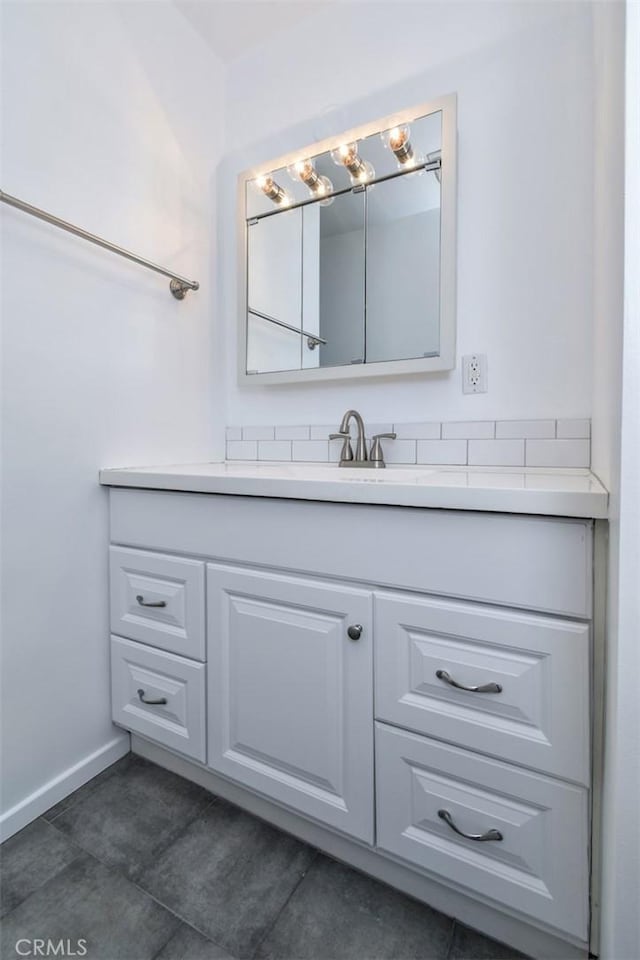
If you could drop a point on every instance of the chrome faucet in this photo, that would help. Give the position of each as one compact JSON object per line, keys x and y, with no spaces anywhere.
{"x":361,"y":459}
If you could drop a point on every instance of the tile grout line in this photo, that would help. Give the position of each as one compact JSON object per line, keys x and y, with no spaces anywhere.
{"x":186,"y":923}
{"x":80,"y":852}
{"x":174,"y":913}
{"x":285,"y":904}
{"x":165,"y":944}
{"x":112,"y":868}
{"x":119,"y":869}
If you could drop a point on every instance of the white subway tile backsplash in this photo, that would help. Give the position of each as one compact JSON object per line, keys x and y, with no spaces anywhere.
{"x":418,"y":431}
{"x":242,"y":450}
{"x":525,"y":429}
{"x":399,"y":451}
{"x":469,"y":430}
{"x":496,"y":453}
{"x":292,"y":433}
{"x":372,"y":428}
{"x":532,"y":443}
{"x":573,"y":429}
{"x":258,"y":433}
{"x":442,"y":451}
{"x":274,"y":450}
{"x":557,"y":453}
{"x":311,"y":450}
{"x":322,"y":432}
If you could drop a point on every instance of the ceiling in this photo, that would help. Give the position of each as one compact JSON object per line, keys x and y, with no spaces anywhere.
{"x":233,"y":27}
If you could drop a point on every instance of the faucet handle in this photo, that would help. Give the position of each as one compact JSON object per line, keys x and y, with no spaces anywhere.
{"x":376,"y":456}
{"x":346,"y":453}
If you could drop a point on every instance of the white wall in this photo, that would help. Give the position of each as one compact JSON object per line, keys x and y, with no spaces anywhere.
{"x":110,"y":118}
{"x":524,"y":75}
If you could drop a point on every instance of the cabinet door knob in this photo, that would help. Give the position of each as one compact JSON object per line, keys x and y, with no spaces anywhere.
{"x":354,"y":632}
{"x":161,"y":701}
{"x":150,"y":603}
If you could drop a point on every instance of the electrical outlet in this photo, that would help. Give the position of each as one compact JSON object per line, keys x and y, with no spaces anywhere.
{"x":474,"y":373}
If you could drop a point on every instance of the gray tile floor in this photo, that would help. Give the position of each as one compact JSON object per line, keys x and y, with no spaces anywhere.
{"x":141,"y":864}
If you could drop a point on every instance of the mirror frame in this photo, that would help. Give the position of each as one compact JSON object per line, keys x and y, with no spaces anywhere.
{"x":446,"y":360}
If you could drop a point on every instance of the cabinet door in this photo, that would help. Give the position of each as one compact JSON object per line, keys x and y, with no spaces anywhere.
{"x":291,"y":694}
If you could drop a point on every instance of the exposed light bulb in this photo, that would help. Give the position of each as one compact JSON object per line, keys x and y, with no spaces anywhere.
{"x":272,"y":190}
{"x":346,"y":155}
{"x":397,"y":139}
{"x":305,"y":171}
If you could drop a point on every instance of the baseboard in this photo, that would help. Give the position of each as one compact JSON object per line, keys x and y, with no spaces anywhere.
{"x":61,"y":786}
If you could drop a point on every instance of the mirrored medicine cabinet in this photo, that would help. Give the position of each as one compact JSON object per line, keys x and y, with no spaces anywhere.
{"x":348,"y":253}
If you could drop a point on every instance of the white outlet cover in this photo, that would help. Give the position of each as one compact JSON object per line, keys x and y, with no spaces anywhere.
{"x":474,"y":373}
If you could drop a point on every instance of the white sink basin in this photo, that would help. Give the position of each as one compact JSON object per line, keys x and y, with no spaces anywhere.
{"x":333,"y":473}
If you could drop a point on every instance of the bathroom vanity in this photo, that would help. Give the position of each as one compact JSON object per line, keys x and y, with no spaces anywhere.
{"x":400,"y":669}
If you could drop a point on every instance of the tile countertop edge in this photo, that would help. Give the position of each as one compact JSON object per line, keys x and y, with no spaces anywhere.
{"x":497,"y":499}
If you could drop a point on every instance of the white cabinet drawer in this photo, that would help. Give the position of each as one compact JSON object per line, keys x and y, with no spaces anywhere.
{"x":158,"y":600}
{"x":139,"y":675}
{"x":540,"y":715}
{"x":539,"y":867}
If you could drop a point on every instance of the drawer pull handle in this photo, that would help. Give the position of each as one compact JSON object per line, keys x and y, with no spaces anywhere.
{"x":489,"y":835}
{"x":485,"y":688}
{"x":150,"y":603}
{"x":162,"y":700}
{"x":354,"y":632}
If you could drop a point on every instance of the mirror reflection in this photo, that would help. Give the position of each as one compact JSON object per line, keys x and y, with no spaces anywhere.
{"x":403,"y":268}
{"x":343,"y":253}
{"x":342,"y":280}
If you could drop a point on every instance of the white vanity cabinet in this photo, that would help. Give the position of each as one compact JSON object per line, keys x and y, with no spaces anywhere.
{"x":408,"y":689}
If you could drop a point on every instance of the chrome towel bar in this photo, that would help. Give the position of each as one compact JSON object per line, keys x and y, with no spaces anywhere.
{"x":178,"y":286}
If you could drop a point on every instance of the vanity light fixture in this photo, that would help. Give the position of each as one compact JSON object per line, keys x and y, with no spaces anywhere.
{"x":398,"y":141}
{"x":271,"y":189}
{"x":319,"y":186}
{"x":346,"y":155}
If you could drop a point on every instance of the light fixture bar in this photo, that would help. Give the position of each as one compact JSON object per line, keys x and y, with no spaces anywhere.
{"x":428,"y":165}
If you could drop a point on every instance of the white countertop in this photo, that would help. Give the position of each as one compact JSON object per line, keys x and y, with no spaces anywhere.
{"x":535,"y":490}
